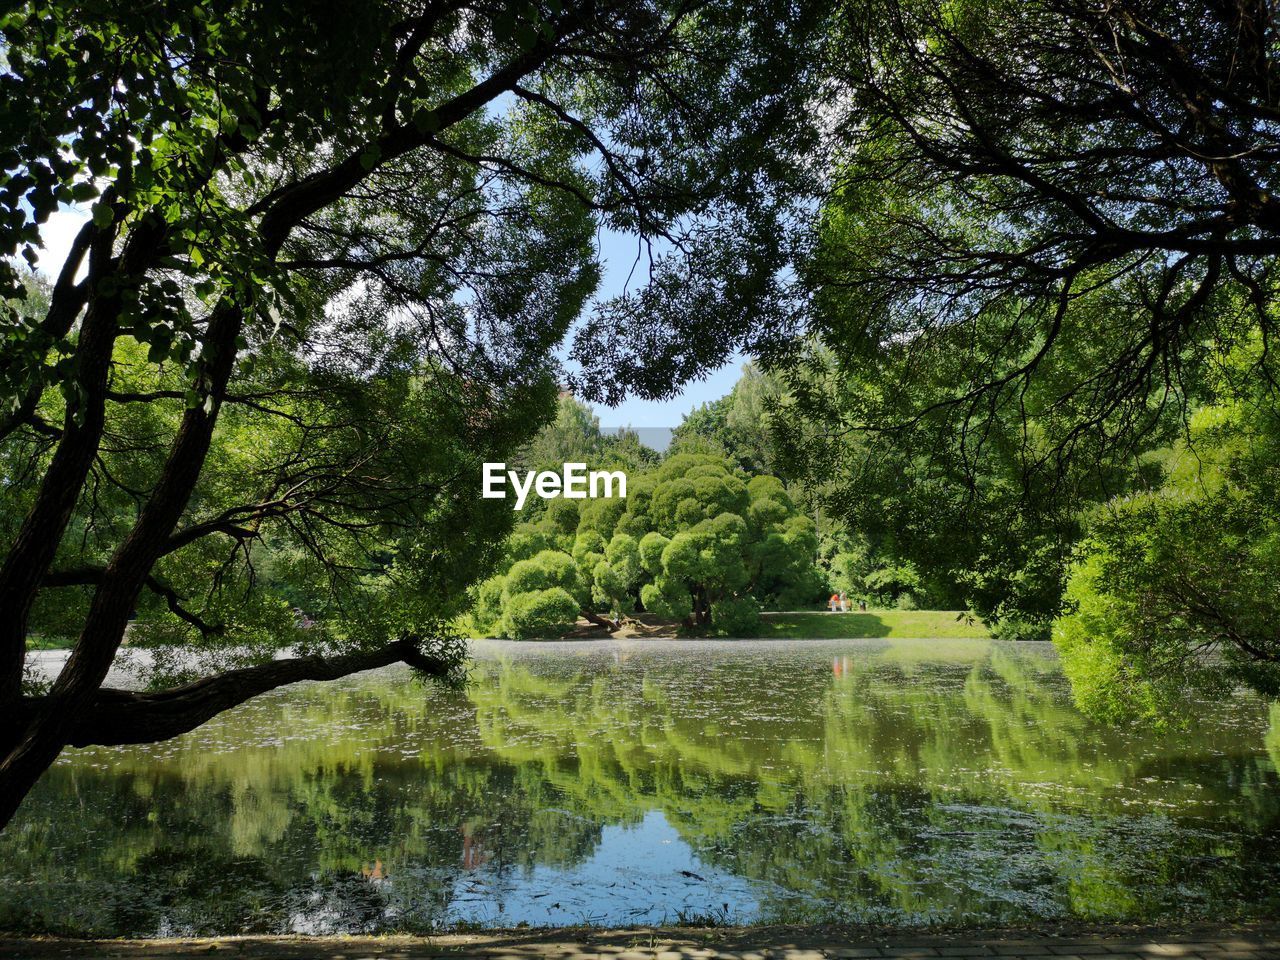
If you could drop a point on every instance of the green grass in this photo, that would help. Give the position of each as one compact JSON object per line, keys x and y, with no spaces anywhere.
{"x":942,"y":624}
{"x":49,"y":643}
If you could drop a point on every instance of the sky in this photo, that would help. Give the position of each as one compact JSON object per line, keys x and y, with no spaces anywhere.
{"x":57,"y":233}
{"x":618,"y":258}
{"x":618,"y":270}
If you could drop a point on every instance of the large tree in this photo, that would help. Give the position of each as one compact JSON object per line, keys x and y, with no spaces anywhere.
{"x":345,"y":218}
{"x":696,"y":540}
{"x":1046,"y":219}
{"x":1004,"y":160}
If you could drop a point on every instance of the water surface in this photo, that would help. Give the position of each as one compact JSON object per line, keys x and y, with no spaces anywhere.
{"x":628,"y":782}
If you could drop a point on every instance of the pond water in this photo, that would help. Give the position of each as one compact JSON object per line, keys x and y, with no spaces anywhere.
{"x":907,"y":782}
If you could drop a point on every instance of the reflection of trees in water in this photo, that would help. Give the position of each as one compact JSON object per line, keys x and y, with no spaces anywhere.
{"x":910,"y":788}
{"x":909,"y":782}
{"x":1002,"y":797}
{"x":317,"y":814}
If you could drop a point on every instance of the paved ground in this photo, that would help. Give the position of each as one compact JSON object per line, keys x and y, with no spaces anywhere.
{"x":1248,"y":942}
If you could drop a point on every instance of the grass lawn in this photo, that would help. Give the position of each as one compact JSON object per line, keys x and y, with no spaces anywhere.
{"x":800,"y":625}
{"x":873,"y":623}
{"x":49,"y":643}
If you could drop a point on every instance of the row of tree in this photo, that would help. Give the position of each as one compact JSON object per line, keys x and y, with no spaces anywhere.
{"x":1155,"y":575}
{"x":695,"y":541}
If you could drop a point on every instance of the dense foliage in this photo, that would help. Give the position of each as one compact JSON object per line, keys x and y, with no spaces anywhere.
{"x":695,"y":541}
{"x":737,"y":425}
{"x":1178,"y":587}
{"x":1048,"y":222}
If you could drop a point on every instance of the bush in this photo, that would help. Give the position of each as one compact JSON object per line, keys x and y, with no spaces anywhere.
{"x":1020,"y":628}
{"x":543,"y":613}
{"x":652,"y":546}
{"x":488,"y":606}
{"x":666,"y":598}
{"x":547,"y":569}
{"x":736,"y":617}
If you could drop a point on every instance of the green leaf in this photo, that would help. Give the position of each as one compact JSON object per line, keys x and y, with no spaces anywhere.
{"x":427,"y":121}
{"x":369,"y":158}
{"x":83,"y":192}
{"x":103,"y":215}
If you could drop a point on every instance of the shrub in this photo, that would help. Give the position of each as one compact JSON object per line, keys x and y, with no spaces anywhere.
{"x":542,"y":613}
{"x":736,"y":617}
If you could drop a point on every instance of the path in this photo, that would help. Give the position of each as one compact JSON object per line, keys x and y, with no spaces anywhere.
{"x":1246,"y":942}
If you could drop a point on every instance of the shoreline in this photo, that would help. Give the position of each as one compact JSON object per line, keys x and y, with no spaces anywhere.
{"x":1245,"y":940}
{"x":872,"y":624}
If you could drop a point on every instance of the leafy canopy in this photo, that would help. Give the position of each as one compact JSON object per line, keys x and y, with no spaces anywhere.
{"x":694,"y":541}
{"x":1047,"y":222}
{"x":1176,"y":587}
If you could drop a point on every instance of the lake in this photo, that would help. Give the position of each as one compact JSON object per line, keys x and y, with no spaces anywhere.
{"x":631,"y":782}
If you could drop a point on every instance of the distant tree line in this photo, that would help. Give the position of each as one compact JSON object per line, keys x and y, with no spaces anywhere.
{"x":697,"y":541}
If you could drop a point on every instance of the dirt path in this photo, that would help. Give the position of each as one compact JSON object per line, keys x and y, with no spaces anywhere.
{"x":1246,"y":942}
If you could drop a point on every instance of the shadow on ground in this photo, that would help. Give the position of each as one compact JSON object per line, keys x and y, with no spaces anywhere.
{"x":1217,"y":942}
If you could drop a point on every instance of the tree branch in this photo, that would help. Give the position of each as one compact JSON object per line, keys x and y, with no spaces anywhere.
{"x":89,"y":576}
{"x":118,"y":717}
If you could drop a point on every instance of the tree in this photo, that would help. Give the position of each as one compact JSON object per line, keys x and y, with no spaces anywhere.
{"x":1047,"y":220}
{"x":694,"y":541}
{"x":575,"y":437}
{"x":297,"y":210}
{"x":716,"y":545}
{"x":1175,"y":589}
{"x":704,"y":429}
{"x":737,"y":425}
{"x":1002,"y":161}
{"x":982,"y":517}
{"x":754,"y":397}
{"x":553,"y":580}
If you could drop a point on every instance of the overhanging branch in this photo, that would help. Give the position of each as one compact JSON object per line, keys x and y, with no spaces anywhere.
{"x":124,"y":716}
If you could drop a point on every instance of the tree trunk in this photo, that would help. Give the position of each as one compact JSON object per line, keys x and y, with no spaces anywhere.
{"x":703,"y":607}
{"x":600,"y":621}
{"x":37,"y":541}
{"x":46,"y":732}
{"x":41,"y":532}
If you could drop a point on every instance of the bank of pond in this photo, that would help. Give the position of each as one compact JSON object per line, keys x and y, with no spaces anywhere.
{"x":779,"y":625}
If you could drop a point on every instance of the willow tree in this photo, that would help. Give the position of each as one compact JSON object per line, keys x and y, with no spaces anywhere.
{"x":328,"y":245}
